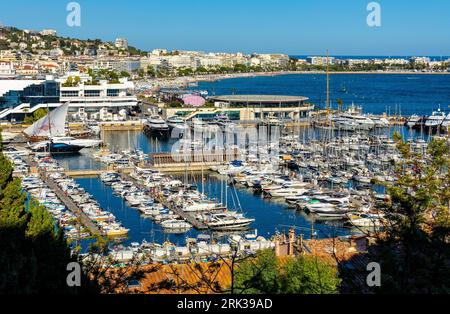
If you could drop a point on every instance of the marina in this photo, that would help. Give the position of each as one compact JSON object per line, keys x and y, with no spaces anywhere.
{"x":154,"y":185}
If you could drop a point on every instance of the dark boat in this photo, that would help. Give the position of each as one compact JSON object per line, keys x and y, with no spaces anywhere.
{"x":56,"y":148}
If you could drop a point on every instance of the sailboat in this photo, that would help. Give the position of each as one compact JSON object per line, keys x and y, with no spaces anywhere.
{"x":50,"y":132}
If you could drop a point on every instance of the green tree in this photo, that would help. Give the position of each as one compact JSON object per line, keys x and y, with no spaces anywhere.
{"x":258,"y":275}
{"x":124,"y":74}
{"x":308,"y":275}
{"x":298,"y":275}
{"x":38,"y":114}
{"x":340,"y":103}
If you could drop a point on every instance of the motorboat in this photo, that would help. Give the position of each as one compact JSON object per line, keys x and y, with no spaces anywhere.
{"x":286,"y":192}
{"x":435,"y":120}
{"x":176,"y":224}
{"x":226,"y":221}
{"x":365,"y":220}
{"x":358,"y":122}
{"x":413,"y":121}
{"x":156,"y":124}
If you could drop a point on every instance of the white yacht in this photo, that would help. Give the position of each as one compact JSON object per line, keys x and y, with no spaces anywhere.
{"x":286,"y":192}
{"x":175,"y":122}
{"x":380,"y":122}
{"x":413,"y":121}
{"x":174,"y":224}
{"x":227,"y":221}
{"x":359,"y":121}
{"x":436,"y":119}
{"x":156,"y":124}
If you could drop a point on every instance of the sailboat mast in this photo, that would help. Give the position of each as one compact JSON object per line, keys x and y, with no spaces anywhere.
{"x":328,"y":81}
{"x":49,"y":122}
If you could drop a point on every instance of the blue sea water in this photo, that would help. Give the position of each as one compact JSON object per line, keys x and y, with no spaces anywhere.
{"x":404,"y":94}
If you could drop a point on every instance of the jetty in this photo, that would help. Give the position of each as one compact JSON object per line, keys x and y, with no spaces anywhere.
{"x":70,"y":204}
{"x":186,"y":216}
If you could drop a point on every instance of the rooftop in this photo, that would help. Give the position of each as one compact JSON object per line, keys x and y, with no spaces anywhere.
{"x":259,"y":98}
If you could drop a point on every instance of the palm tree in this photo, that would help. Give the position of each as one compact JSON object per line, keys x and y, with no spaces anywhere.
{"x":340,"y":104}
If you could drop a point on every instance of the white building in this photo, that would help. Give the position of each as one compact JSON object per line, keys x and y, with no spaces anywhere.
{"x":209,"y":61}
{"x":103,"y":101}
{"x":181,"y":61}
{"x":121,"y":43}
{"x":48,"y":32}
{"x":158,"y":52}
{"x":57,"y":52}
{"x":6,"y":68}
{"x":420,"y":60}
{"x":94,"y":101}
{"x":320,"y":60}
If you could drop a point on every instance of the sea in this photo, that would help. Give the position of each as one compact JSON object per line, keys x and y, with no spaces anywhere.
{"x":403,"y":94}
{"x":393,"y":94}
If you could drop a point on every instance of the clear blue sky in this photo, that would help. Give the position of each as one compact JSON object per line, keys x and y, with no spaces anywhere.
{"x":409,"y":27}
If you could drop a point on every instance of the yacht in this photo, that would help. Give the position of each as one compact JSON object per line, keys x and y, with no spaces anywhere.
{"x":380,"y":122}
{"x":435,"y":120}
{"x":175,"y":122}
{"x":156,"y":124}
{"x":360,"y":122}
{"x":85,"y":143}
{"x":227,"y":221}
{"x":55,"y":148}
{"x":365,"y":220}
{"x":287,"y":192}
{"x":413,"y":121}
{"x":174,"y":224}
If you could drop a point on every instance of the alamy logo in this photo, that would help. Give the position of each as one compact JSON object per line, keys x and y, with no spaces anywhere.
{"x":74,"y":17}
{"x":374,"y":17}
{"x":73,"y":279}
{"x":374,"y":277}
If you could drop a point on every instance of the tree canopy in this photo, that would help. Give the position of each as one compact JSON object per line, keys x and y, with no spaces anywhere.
{"x":297,"y":275}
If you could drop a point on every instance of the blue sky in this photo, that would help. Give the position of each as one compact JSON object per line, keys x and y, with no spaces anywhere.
{"x":409,"y":27}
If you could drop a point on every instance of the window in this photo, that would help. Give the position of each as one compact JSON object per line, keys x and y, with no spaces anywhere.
{"x":112,"y":92}
{"x":69,"y":93}
{"x":92,"y":93}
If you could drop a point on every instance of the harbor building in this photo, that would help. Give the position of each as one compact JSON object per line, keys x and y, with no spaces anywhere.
{"x":103,"y":101}
{"x":248,"y":107}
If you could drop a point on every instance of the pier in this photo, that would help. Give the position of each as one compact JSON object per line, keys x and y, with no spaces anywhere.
{"x":186,"y":216}
{"x":67,"y":201}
